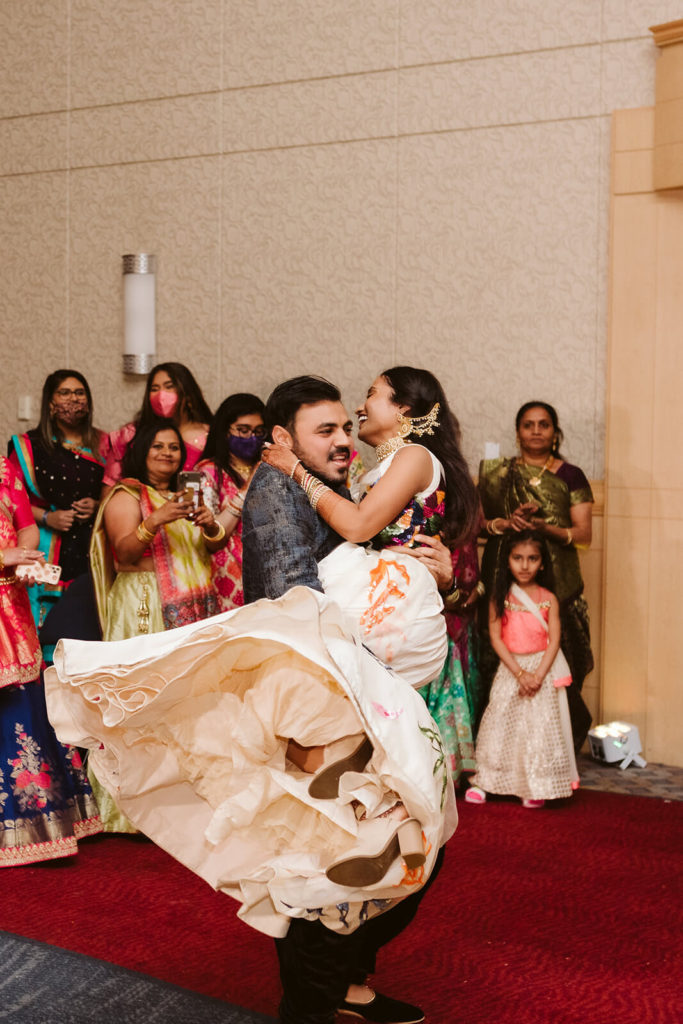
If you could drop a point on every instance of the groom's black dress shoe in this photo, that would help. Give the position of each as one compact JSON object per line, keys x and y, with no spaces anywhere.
{"x":383,"y":1010}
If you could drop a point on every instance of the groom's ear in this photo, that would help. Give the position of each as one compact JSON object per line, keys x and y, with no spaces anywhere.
{"x":283,"y":436}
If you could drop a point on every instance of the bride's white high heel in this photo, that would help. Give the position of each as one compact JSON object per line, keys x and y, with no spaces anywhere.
{"x":377,"y":850}
{"x":350,"y":754}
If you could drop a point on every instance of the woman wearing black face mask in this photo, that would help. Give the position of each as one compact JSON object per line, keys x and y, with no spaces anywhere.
{"x":232,"y":452}
{"x":61,"y":462}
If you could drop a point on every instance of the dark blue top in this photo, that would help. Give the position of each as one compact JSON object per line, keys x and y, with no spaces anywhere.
{"x":283,"y":539}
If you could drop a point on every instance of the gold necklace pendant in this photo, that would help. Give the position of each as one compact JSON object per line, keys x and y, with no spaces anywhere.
{"x":243,"y":468}
{"x":535,"y":480}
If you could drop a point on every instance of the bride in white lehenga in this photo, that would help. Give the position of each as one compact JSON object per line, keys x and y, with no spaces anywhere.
{"x":190,"y":730}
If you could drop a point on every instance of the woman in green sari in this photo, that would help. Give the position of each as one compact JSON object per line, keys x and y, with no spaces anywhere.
{"x":539,"y":489}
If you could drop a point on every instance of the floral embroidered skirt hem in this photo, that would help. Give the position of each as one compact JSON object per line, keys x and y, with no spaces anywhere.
{"x":46,"y":804}
{"x":189,"y":730}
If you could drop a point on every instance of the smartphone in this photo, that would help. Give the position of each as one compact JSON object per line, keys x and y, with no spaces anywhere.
{"x":39,"y":572}
{"x":189,"y":484}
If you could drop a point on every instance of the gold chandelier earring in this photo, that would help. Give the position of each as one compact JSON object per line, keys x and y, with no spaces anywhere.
{"x":404,"y":425}
{"x":419,"y":425}
{"x":407,"y":425}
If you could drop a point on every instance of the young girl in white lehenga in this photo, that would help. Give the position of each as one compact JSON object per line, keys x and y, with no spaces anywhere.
{"x":524,"y":746}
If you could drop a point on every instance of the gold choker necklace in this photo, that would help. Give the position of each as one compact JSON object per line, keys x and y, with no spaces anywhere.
{"x":535,"y":480}
{"x":386,"y":448}
{"x":244,"y":469}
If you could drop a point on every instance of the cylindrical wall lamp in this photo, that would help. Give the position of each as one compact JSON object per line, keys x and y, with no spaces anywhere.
{"x":139,"y":346}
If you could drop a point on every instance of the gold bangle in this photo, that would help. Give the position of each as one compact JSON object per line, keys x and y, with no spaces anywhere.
{"x":219,"y":535}
{"x":313,"y":488}
{"x":144,"y":535}
{"x":570,"y":539}
{"x":480,"y":588}
{"x":520,"y":673}
{"x":491,"y":527}
{"x":293,"y":469}
{"x":233,"y":511}
{"x":317,"y":494}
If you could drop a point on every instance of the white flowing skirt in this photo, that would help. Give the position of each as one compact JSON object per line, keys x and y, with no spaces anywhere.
{"x":393,"y":600}
{"x":188,"y":729}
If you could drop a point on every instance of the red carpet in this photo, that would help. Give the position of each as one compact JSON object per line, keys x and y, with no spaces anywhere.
{"x":570,"y":915}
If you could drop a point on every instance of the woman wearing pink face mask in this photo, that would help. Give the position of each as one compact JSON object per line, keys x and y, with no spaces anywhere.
{"x":171,"y":393}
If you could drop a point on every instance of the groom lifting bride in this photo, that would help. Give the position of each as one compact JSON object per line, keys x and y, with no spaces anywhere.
{"x":267,"y":748}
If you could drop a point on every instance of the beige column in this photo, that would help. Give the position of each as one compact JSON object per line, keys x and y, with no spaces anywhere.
{"x":642,"y":644}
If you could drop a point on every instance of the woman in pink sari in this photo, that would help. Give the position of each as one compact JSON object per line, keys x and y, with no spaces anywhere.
{"x":232,"y":453}
{"x":45,"y":800}
{"x":171,"y":392}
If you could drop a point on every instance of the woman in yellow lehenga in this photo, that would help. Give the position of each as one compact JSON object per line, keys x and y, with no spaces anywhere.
{"x":150,"y":555}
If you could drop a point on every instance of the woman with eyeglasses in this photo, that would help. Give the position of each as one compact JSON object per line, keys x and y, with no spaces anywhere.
{"x":61,"y":462}
{"x":232,"y":453}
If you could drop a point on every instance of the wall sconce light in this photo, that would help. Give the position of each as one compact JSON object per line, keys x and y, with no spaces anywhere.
{"x":139,"y":346}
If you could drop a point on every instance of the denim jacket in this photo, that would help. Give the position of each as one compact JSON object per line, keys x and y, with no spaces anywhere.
{"x":283,"y":539}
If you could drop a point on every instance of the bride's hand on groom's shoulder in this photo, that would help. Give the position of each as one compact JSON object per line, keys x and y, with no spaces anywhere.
{"x":279,"y":456}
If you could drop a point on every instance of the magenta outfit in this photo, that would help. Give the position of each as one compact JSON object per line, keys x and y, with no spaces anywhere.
{"x":226,"y":565}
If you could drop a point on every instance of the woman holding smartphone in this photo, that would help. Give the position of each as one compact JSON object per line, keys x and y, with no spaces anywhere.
{"x":45,"y":801}
{"x":160,"y":574}
{"x":151,"y":556}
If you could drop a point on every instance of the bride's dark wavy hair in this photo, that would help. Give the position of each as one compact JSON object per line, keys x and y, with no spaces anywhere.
{"x":504,"y":578}
{"x":420,"y":390}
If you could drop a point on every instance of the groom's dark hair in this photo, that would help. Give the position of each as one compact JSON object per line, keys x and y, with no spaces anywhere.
{"x":288,"y":397}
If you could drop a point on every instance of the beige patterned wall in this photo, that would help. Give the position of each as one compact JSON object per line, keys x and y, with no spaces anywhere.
{"x":328,"y":187}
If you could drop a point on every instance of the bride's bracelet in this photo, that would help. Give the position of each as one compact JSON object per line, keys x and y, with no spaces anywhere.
{"x":313,"y":488}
